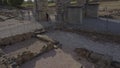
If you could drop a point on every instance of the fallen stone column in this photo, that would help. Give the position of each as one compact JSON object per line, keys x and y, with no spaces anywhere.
{"x":47,"y":39}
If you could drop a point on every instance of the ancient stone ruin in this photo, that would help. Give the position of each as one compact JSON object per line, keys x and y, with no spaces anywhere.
{"x":64,"y":10}
{"x":99,"y":60}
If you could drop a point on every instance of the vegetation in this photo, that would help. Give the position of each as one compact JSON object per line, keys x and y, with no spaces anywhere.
{"x":14,"y":3}
{"x":3,"y":2}
{"x":28,"y":4}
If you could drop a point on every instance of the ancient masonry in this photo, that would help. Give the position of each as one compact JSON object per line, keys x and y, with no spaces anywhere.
{"x":41,"y":9}
{"x":61,"y":9}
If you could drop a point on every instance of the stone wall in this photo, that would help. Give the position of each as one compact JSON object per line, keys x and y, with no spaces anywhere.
{"x":74,"y":14}
{"x":14,"y":39}
{"x":92,"y":10}
{"x":26,"y":54}
{"x":41,"y":8}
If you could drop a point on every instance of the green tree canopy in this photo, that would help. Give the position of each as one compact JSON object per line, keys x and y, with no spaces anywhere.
{"x":0,"y":2}
{"x":15,"y":3}
{"x":4,"y":2}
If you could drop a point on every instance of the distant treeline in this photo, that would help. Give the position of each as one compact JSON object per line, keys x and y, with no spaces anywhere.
{"x":109,"y":0}
{"x":14,"y":3}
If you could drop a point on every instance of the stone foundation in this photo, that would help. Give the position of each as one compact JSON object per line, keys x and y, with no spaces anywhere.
{"x":15,"y":39}
{"x":17,"y":59}
{"x":99,"y":60}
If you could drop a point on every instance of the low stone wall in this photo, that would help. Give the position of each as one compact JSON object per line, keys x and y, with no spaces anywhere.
{"x":103,"y":26}
{"x":99,"y":60}
{"x":15,"y":39}
{"x":14,"y":62}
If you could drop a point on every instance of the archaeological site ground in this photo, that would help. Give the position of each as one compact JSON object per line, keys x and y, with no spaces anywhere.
{"x":59,"y":33}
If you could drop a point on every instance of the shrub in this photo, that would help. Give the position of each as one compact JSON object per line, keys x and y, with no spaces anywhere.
{"x":15,"y":3}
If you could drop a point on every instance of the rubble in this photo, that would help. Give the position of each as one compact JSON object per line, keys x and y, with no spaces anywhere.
{"x":14,"y":60}
{"x":25,"y":56}
{"x":40,"y":31}
{"x":1,"y":53}
{"x":99,"y":60}
{"x":116,"y":64}
{"x":82,"y":52}
{"x":15,"y":39}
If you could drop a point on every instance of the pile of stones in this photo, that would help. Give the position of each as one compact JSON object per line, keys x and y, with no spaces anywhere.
{"x":99,"y":60}
{"x":6,"y":61}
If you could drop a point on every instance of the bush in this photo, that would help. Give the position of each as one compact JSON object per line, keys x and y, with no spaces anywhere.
{"x":15,"y":3}
{"x":0,"y":2}
{"x":4,"y":2}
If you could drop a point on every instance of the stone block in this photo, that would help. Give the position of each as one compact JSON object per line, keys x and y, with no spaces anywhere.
{"x":28,"y":35}
{"x":17,"y":38}
{"x":1,"y":52}
{"x":47,"y":39}
{"x":6,"y":41}
{"x":99,"y":60}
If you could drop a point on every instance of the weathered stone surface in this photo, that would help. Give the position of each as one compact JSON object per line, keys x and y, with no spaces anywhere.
{"x":1,"y":52}
{"x":99,"y":60}
{"x":82,"y":52}
{"x":46,"y":38}
{"x":6,"y":41}
{"x":40,"y":31}
{"x":41,"y":9}
{"x":2,"y":66}
{"x":116,"y":64}
{"x":103,"y":63}
{"x":28,"y":35}
{"x":25,"y":56}
{"x":15,"y":39}
{"x":47,"y":48}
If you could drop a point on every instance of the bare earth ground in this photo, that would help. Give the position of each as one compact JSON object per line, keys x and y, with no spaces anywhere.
{"x":33,"y":45}
{"x":12,"y":27}
{"x":65,"y":57}
{"x":72,"y":40}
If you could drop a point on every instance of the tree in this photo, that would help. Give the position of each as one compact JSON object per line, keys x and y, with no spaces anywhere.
{"x":15,"y":3}
{"x":4,"y":2}
{"x":0,"y":2}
